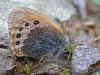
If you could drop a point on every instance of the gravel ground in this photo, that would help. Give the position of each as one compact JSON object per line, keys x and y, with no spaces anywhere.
{"x":84,"y":56}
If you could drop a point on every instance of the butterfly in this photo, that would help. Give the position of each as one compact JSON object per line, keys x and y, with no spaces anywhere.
{"x":33,"y":34}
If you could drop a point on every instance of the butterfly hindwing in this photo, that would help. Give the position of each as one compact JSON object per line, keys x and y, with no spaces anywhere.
{"x":25,"y":23}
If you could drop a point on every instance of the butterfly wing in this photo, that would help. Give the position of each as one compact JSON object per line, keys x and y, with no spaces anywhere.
{"x":33,"y":33}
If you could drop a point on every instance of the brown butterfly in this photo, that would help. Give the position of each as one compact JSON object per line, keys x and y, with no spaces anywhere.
{"x":33,"y":34}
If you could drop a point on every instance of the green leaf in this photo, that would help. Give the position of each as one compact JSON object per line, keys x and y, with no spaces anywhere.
{"x":71,"y":47}
{"x":66,"y":72}
{"x":27,"y":69}
{"x":96,"y":1}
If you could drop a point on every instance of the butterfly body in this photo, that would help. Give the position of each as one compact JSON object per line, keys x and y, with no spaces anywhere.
{"x":34,"y":35}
